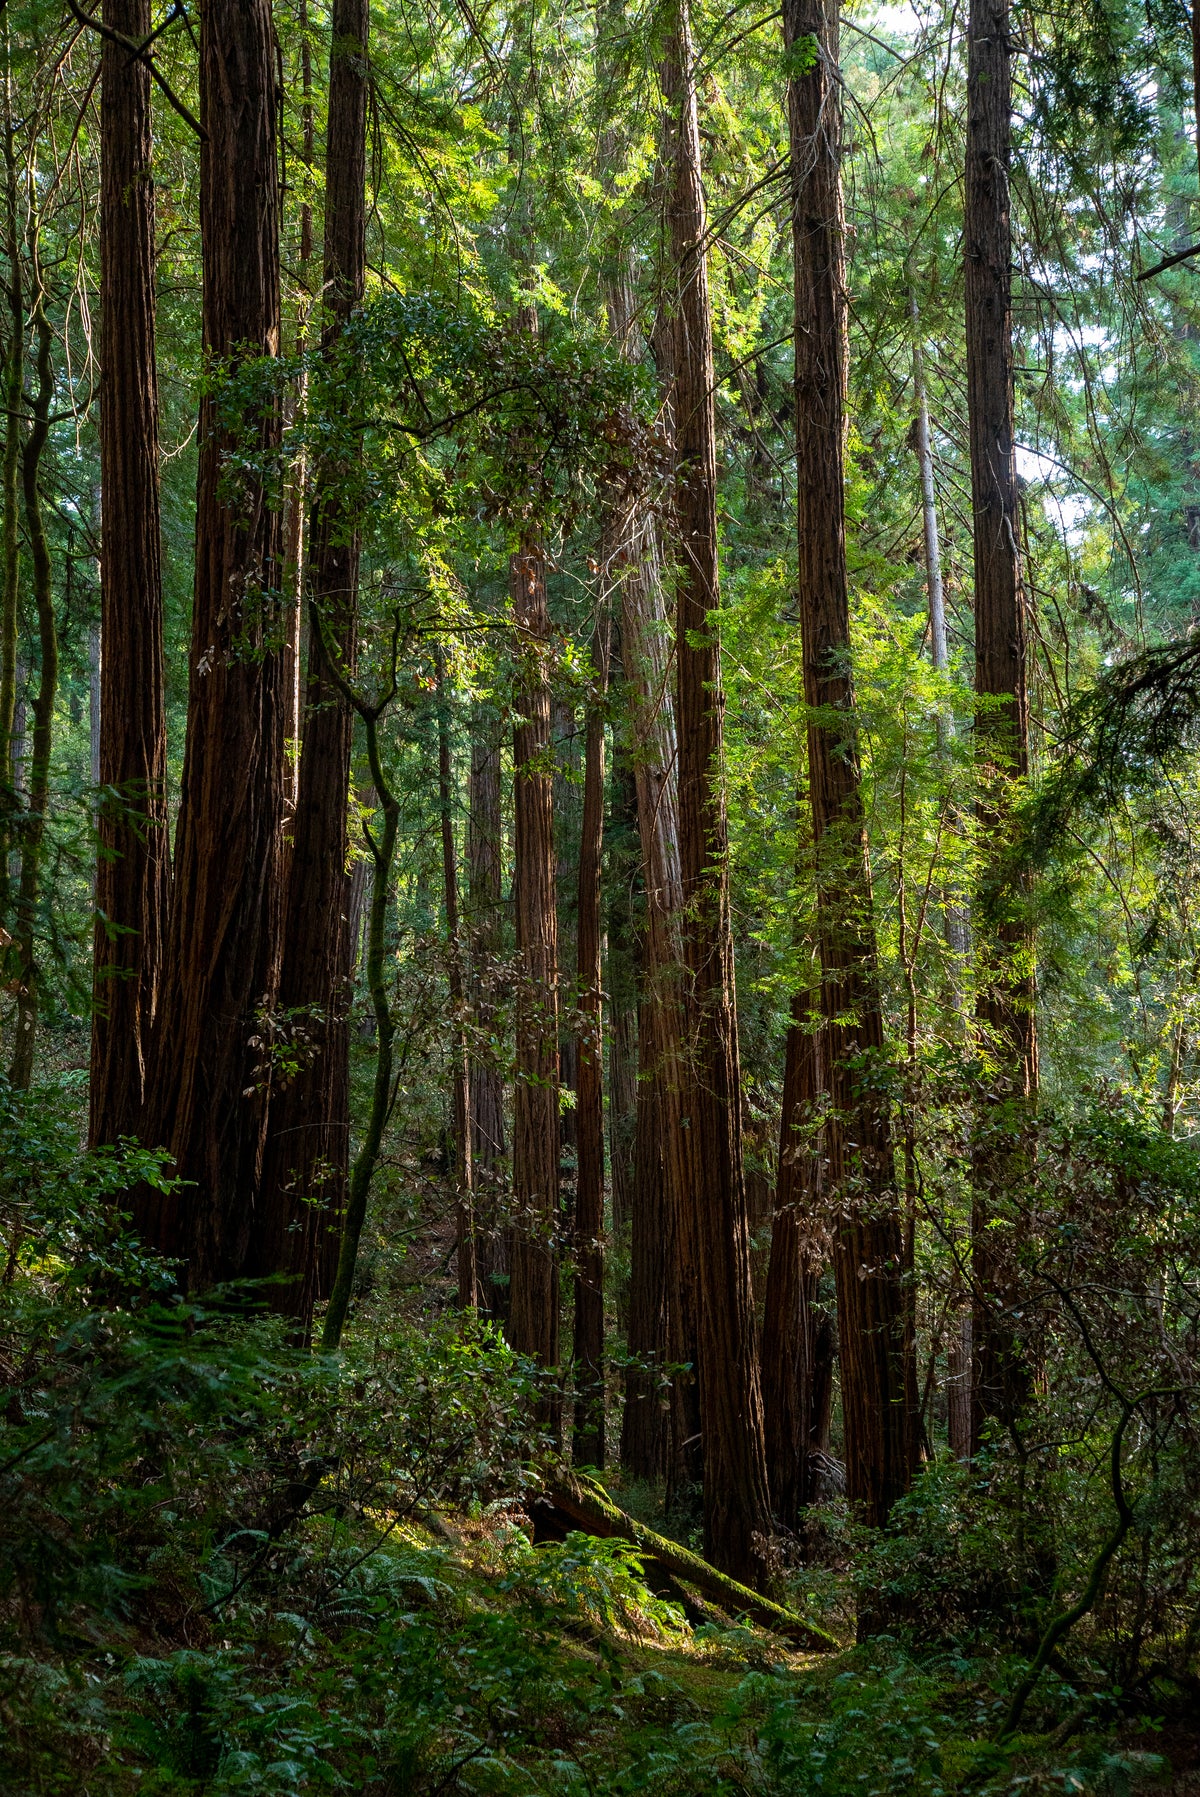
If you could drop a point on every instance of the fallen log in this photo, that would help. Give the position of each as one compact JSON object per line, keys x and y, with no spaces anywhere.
{"x":590,"y":1509}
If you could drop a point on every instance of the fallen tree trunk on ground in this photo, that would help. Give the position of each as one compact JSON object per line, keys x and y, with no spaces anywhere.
{"x":590,"y":1509}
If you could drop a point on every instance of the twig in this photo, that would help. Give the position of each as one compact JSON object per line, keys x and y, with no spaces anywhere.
{"x":141,"y":54}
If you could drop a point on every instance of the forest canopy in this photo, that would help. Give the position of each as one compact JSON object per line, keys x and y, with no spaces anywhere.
{"x":599,"y":897}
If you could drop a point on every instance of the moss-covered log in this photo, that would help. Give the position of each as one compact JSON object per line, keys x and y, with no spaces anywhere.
{"x":589,"y":1507}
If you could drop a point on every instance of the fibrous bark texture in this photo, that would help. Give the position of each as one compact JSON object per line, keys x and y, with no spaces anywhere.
{"x":460,"y":1073}
{"x":206,"y":1090}
{"x":867,"y":1245}
{"x":33,"y":825}
{"x":10,"y":496}
{"x":133,"y":865}
{"x":589,"y":1103}
{"x":533,"y":1314}
{"x":308,"y":1144}
{"x":484,"y":889}
{"x":664,"y":1293}
{"x":644,"y":1419}
{"x":736,"y":1509}
{"x":797,"y":1344}
{"x":1005,"y":1003}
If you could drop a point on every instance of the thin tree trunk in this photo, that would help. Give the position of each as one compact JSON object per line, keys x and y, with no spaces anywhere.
{"x":589,"y":1114}
{"x":207,"y":1086}
{"x":308,"y":1141}
{"x":867,"y":1250}
{"x":533,"y":1316}
{"x":297,"y":490}
{"x":959,"y":1409}
{"x":736,"y":1505}
{"x":485,"y":870}
{"x":468,"y":1274}
{"x":383,"y":855}
{"x":564,"y":737}
{"x":10,"y":471}
{"x":1005,"y":1003}
{"x":1194,"y":21}
{"x":933,"y":550}
{"x":133,"y":866}
{"x":33,"y":830}
{"x":795,"y":1347}
{"x":955,"y":917}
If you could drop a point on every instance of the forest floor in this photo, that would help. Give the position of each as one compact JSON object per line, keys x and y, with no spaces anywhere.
{"x":228,"y":1566}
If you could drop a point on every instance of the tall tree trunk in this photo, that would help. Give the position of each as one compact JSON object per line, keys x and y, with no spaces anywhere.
{"x":645,"y":636}
{"x":485,"y":880}
{"x":959,"y":1408}
{"x":929,"y":522}
{"x":33,"y":831}
{"x":308,"y":1141}
{"x":567,"y":818}
{"x":297,"y":489}
{"x":589,"y":1112}
{"x":10,"y":477}
{"x":867,"y":1252}
{"x":207,"y":1088}
{"x":662,"y":1043}
{"x":622,"y":1036}
{"x":382,"y":846}
{"x":133,"y":863}
{"x":644,"y":1420}
{"x":796,"y":1339}
{"x":736,"y":1506}
{"x":95,"y":664}
{"x":1005,"y":1003}
{"x":468,"y":1272}
{"x":954,"y":912}
{"x":533,"y":1315}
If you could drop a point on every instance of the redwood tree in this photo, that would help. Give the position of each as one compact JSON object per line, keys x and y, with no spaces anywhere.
{"x":589,"y":1103}
{"x":736,"y":1509}
{"x":533,"y":1314}
{"x":206,"y":1091}
{"x":308,"y":1143}
{"x":797,"y":1338}
{"x":33,"y":825}
{"x":484,"y":886}
{"x":867,"y":1246}
{"x":133,"y":867}
{"x":1005,"y":1003}
{"x":468,"y":1265}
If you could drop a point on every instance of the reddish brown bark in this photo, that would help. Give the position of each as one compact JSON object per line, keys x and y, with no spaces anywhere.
{"x":33,"y":825}
{"x":645,"y":1416}
{"x":622,"y":1106}
{"x":797,"y":1346}
{"x":468,"y":1270}
{"x":488,"y":1151}
{"x":1005,"y":1003}
{"x":662,"y":1026}
{"x":206,"y":1089}
{"x":133,"y":866}
{"x":589,"y":1104}
{"x":564,"y":735}
{"x":736,"y":1508}
{"x":533,"y":1314}
{"x":867,"y":1250}
{"x":308,"y":1144}
{"x":297,"y":490}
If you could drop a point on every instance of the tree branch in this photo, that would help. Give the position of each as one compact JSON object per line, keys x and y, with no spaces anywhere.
{"x":140,"y":53}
